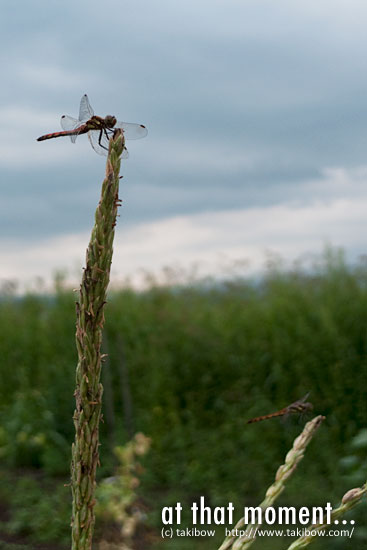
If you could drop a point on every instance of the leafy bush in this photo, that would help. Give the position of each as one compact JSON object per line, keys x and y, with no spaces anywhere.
{"x":37,"y":510}
{"x":188,"y":365}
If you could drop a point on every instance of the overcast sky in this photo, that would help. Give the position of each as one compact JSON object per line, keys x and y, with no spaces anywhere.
{"x":257,"y":120}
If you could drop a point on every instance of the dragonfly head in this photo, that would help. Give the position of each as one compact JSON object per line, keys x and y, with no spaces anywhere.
{"x":110,"y":121}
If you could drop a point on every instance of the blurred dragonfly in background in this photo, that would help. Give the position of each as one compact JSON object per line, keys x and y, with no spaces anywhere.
{"x":99,"y":129}
{"x":298,"y":407}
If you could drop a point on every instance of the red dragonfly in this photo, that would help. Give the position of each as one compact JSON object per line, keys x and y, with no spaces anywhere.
{"x":298,"y":407}
{"x":99,"y":129}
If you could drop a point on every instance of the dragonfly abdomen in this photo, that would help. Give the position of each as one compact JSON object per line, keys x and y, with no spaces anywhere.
{"x":77,"y":131}
{"x":267,"y":416}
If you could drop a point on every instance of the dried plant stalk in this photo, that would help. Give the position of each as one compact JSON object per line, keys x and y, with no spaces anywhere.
{"x":292,"y":459}
{"x":349,"y":500}
{"x":89,"y":324}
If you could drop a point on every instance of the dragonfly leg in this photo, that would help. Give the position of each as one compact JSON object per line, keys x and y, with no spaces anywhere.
{"x":107,"y":134}
{"x":103,"y":131}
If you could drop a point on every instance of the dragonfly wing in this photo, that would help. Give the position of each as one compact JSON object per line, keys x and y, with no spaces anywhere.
{"x":132,"y":131}
{"x":100,"y":147}
{"x":85,"y":110}
{"x":303,"y":399}
{"x":68,"y":123}
{"x":125,"y":154}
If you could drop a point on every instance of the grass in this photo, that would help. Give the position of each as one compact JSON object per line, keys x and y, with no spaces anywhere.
{"x":196,"y":362}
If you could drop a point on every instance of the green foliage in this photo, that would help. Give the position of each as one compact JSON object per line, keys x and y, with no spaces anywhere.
{"x":354,"y":465}
{"x":28,"y":436}
{"x":197,"y":361}
{"x":31,"y":502}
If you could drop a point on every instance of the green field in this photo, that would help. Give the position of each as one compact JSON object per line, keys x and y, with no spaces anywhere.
{"x":187,"y":366}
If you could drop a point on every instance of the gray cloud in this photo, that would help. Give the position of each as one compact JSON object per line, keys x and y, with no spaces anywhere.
{"x":247,"y":104}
